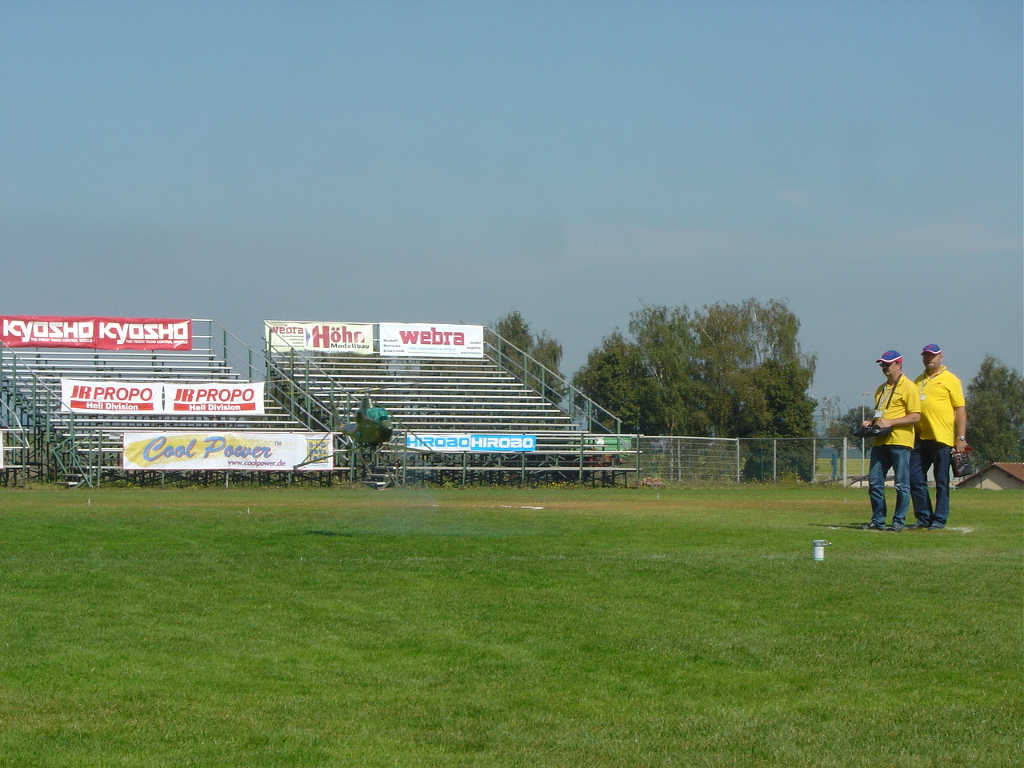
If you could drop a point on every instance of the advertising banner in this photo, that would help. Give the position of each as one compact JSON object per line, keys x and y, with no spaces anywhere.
{"x":343,"y":338}
{"x":247,"y":451}
{"x":426,"y":340}
{"x":139,"y":333}
{"x":100,"y":396}
{"x":167,"y":398}
{"x":471,"y":443}
{"x":214,"y":397}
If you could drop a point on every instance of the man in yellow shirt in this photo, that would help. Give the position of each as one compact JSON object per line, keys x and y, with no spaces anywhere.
{"x":942,"y":427}
{"x":896,"y":405}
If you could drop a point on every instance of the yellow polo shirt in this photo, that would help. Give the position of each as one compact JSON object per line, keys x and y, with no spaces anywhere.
{"x":939,"y":396}
{"x":903,"y":401}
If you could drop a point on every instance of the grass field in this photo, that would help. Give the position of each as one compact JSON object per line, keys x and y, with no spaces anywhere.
{"x":612,"y":627}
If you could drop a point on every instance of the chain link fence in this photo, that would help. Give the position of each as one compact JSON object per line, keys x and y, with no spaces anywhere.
{"x":671,"y":459}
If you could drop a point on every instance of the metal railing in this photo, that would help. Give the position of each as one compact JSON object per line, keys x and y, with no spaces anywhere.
{"x":551,"y":385}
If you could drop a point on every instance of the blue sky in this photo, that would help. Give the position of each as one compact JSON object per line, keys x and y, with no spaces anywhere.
{"x":451,"y":161}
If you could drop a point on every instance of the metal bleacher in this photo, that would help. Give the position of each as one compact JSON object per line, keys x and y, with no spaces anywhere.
{"x":431,"y":394}
{"x":503,"y":392}
{"x":443,"y":396}
{"x":77,"y":447}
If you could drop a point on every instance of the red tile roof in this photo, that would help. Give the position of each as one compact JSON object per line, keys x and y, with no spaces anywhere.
{"x":1015,"y":469}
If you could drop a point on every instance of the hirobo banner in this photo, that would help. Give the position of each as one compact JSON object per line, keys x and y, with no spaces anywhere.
{"x":167,"y":398}
{"x":89,"y":332}
{"x":460,"y":442}
{"x":210,"y":450}
{"x":427,"y":340}
{"x":348,"y":338}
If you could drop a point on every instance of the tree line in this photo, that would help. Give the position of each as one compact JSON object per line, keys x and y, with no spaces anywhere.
{"x":737,"y":370}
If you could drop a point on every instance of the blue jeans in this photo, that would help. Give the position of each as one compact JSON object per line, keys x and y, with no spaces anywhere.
{"x":884,"y":457}
{"x":928,"y":453}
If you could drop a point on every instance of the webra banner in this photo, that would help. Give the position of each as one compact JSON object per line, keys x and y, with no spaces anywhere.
{"x":246,"y":451}
{"x":461,"y":442}
{"x":139,"y":333}
{"x":427,"y":340}
{"x":302,"y":336}
{"x":100,"y":396}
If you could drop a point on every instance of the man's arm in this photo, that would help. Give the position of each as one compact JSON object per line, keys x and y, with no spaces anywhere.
{"x":960,"y":420}
{"x":910,"y":418}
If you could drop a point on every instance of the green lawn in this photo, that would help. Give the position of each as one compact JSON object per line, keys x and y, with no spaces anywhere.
{"x":327,"y":627}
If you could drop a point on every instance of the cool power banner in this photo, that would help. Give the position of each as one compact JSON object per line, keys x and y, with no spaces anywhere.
{"x":181,"y":398}
{"x":248,"y":451}
{"x":141,"y":333}
{"x":471,"y":443}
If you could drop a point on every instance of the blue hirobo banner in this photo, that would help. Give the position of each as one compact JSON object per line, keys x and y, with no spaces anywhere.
{"x":465,"y":442}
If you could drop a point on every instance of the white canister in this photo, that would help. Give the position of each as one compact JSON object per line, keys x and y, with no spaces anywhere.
{"x":819,"y":548}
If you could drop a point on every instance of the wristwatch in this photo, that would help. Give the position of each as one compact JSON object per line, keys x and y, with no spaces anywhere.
{"x":961,"y":437}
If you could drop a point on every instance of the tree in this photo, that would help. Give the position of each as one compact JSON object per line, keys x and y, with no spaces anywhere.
{"x":995,"y":412}
{"x":729,"y":371}
{"x":543,"y":352}
{"x":752,"y":375}
{"x":665,"y":344}
{"x":614,"y":376}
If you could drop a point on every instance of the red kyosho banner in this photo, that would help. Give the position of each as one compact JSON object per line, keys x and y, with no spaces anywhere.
{"x":141,"y":333}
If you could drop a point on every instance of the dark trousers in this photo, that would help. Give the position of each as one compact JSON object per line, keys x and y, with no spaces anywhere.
{"x":884,"y":457}
{"x":930,"y":454}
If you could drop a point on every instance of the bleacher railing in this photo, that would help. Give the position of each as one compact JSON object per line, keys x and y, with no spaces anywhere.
{"x":53,"y":451}
{"x":287,"y":386}
{"x":582,"y":411}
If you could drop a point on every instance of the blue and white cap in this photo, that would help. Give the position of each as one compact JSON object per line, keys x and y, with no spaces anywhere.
{"x":931,"y":349}
{"x":891,"y":356}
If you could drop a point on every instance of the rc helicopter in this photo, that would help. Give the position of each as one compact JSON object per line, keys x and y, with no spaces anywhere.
{"x":364,"y":437}
{"x":371,"y":429}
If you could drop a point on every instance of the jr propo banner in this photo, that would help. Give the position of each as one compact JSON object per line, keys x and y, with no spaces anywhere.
{"x":247,"y":451}
{"x":140,"y":333}
{"x":214,"y":397}
{"x":453,"y":442}
{"x":345,"y":338}
{"x":100,"y":396}
{"x":176,"y":398}
{"x":426,"y":340}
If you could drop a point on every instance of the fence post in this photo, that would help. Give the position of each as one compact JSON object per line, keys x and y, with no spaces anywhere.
{"x":775,"y":463}
{"x":737,"y":461}
{"x":845,"y":480}
{"x":814,"y":458}
{"x":637,"y":462}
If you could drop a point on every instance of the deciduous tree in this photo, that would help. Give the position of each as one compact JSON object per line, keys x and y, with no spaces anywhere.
{"x":995,"y":412}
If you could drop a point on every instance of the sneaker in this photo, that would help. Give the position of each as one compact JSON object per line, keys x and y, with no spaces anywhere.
{"x":917,"y":527}
{"x":936,"y":527}
{"x":872,"y":526}
{"x":895,"y":527}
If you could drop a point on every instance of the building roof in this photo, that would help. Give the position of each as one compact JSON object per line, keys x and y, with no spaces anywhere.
{"x":1016,"y":469}
{"x":1013,"y":469}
